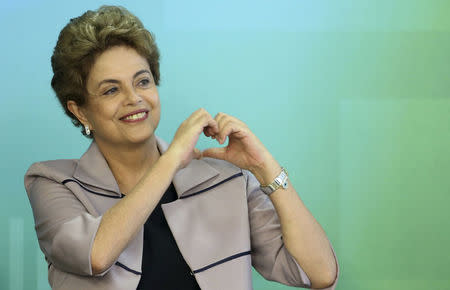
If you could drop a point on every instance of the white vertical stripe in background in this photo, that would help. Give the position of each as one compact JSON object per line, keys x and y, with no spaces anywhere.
{"x":16,"y":250}
{"x":41,"y":271}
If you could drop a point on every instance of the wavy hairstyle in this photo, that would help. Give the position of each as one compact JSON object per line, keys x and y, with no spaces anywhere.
{"x":84,"y":38}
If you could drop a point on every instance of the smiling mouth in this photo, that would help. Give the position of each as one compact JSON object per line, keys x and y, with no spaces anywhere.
{"x":135,"y":117}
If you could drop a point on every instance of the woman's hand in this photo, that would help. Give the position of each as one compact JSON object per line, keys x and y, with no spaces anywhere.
{"x":303,"y":236}
{"x":186,"y":137}
{"x":244,"y":149}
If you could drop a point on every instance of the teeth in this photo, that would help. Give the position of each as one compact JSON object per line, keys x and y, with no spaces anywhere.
{"x":135,"y":116}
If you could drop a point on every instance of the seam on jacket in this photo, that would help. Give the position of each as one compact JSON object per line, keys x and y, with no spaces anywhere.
{"x":91,"y":191}
{"x":221,"y":261}
{"x":212,"y":186}
{"x":128,"y":269}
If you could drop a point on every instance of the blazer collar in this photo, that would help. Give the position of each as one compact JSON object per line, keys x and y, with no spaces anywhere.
{"x":92,"y":169}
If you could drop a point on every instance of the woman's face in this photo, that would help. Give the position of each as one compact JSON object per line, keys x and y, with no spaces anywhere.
{"x":123,"y":103}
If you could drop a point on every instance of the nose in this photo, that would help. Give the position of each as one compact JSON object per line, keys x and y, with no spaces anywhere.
{"x":132,"y":97}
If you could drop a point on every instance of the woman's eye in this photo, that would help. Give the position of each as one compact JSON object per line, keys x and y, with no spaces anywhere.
{"x":144,"y":82}
{"x":111,"y":91}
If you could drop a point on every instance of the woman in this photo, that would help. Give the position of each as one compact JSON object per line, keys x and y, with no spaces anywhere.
{"x":135,"y":212}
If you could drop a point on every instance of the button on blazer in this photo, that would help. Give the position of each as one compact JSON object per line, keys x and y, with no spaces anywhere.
{"x":222,"y":223}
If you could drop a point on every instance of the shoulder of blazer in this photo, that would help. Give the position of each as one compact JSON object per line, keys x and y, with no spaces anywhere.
{"x":57,"y":170}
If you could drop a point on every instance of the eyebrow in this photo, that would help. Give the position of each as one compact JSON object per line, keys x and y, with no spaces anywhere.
{"x":142,"y":71}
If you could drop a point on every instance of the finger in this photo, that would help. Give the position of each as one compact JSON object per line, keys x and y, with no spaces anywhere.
{"x":229,"y":128}
{"x":201,"y":111}
{"x":207,"y":132}
{"x":212,"y":127}
{"x":199,"y":116}
{"x":219,"y":117}
{"x":213,"y":131}
{"x":200,"y":120}
{"x":196,"y":115}
{"x":224,"y":129}
{"x":210,"y":131}
{"x":206,"y":120}
{"x":218,"y":153}
{"x":202,"y":114}
{"x":221,"y":120}
{"x":224,"y":121}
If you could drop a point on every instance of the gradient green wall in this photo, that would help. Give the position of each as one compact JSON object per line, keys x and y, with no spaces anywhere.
{"x":351,"y":96}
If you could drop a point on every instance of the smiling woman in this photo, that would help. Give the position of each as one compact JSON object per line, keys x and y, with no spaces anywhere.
{"x":122,"y":104}
{"x":136,"y":212}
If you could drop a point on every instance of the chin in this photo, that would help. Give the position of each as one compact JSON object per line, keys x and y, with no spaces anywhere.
{"x":141,"y":138}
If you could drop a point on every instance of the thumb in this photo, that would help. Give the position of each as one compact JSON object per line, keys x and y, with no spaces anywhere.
{"x":197,"y":154}
{"x":218,"y":153}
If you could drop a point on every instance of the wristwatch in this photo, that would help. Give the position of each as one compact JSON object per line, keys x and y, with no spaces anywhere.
{"x":280,"y":180}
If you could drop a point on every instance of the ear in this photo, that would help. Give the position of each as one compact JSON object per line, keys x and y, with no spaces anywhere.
{"x":78,"y":112}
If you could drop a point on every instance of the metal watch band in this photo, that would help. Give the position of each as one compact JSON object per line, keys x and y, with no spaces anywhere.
{"x":280,"y":181}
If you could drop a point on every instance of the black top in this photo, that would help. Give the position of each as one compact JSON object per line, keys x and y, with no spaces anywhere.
{"x":163,"y":266}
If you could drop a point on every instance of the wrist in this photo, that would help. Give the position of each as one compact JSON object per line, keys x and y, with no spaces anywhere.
{"x":266,"y":172}
{"x":170,"y":157}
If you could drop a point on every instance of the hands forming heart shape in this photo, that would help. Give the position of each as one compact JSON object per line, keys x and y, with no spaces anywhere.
{"x":244,"y":149}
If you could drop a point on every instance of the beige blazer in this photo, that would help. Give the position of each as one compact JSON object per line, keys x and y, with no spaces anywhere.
{"x":222,"y":223}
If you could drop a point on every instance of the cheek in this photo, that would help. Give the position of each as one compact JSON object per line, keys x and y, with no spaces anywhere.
{"x":158,"y":105}
{"x":102,"y":114}
{"x":156,"y":114}
{"x":154,"y":103}
{"x":154,"y":98}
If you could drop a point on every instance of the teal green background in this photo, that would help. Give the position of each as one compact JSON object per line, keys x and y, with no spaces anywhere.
{"x":353,"y":97}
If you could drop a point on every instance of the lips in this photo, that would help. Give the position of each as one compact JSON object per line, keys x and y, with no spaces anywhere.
{"x":135,"y":116}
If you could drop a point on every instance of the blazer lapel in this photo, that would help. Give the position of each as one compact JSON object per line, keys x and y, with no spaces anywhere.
{"x":194,"y":174}
{"x":211,"y":228}
{"x":92,"y":169}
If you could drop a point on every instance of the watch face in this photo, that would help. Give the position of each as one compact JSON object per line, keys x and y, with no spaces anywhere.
{"x":285,"y":184}
{"x":278,"y":181}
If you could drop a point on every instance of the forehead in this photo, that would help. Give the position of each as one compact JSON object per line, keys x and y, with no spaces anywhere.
{"x":116,"y":63}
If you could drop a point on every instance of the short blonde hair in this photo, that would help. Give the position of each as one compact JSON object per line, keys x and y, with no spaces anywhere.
{"x":86,"y":37}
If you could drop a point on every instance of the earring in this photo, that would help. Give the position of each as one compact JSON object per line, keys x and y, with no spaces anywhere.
{"x":87,"y":130}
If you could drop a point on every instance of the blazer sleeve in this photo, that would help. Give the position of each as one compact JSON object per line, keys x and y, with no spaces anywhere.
{"x":64,"y":228}
{"x":269,"y":255}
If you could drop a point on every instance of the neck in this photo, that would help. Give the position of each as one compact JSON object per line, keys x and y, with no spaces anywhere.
{"x":129,"y":163}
